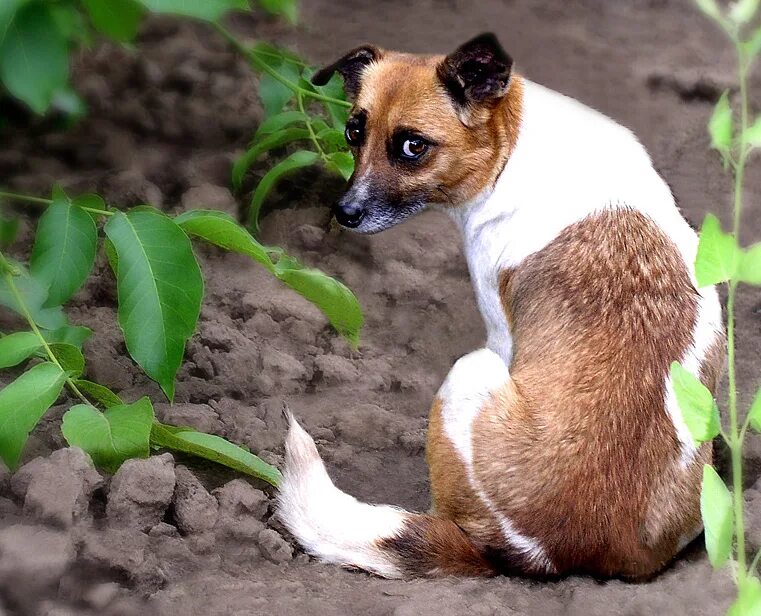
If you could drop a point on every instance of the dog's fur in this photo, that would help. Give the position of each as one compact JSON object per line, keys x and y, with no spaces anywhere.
{"x":559,"y":446}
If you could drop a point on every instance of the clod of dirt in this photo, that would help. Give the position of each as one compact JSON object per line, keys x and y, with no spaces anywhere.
{"x":130,"y":187}
{"x":122,"y":550}
{"x":241,"y":509}
{"x":32,"y":561}
{"x":336,"y":369}
{"x":57,"y":490}
{"x":198,"y":416}
{"x":208,"y":196}
{"x":141,"y":492}
{"x":274,"y":547}
{"x":194,"y":508}
{"x":162,"y":529}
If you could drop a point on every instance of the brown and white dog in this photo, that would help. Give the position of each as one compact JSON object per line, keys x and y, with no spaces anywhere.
{"x":559,"y":446}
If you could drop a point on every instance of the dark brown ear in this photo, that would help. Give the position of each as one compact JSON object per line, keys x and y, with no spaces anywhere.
{"x":350,"y":68}
{"x":477,"y":72}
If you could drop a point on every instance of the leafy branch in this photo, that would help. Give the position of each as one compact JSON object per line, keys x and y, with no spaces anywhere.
{"x":721,"y":259}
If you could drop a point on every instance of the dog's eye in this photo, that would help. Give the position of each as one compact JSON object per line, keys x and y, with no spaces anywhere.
{"x":353,"y":135}
{"x":414,"y":148}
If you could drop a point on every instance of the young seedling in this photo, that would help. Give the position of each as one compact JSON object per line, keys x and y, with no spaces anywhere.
{"x":720,"y":259}
{"x":295,"y":111}
{"x":160,"y":290}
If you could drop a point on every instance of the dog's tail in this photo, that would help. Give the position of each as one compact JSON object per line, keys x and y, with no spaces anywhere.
{"x":381,"y":539}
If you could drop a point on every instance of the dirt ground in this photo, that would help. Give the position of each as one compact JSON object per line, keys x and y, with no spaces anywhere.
{"x":177,"y":536}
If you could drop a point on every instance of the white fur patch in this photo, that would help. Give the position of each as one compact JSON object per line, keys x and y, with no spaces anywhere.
{"x":707,"y":329}
{"x":327,"y":522}
{"x":468,"y":386}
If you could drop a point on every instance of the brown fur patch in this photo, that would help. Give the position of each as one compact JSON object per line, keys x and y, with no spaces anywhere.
{"x":429,"y":545}
{"x":402,"y":90}
{"x":572,"y":453}
{"x":453,"y":498}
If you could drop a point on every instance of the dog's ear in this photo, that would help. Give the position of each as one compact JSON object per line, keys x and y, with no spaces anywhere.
{"x":350,"y":67}
{"x":478,"y":72}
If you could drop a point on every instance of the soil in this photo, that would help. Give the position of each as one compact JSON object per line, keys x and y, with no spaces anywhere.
{"x":173,"y":535}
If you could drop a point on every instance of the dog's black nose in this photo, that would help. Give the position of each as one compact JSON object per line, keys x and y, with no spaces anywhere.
{"x":349,"y":215}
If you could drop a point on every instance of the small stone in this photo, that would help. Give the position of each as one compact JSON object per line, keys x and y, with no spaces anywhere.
{"x":194,"y":508}
{"x":274,"y":547}
{"x":141,"y":492}
{"x":209,"y":196}
{"x":23,"y":477}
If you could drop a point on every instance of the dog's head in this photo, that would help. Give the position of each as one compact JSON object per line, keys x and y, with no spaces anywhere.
{"x":424,"y":130}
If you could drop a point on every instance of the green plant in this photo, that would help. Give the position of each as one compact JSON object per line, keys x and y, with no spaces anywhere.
{"x":160,"y":289}
{"x":159,"y":282}
{"x":721,"y":259}
{"x":37,"y":36}
{"x":295,"y":111}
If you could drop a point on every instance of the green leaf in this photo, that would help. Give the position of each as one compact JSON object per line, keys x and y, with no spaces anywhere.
{"x":118,"y":434}
{"x":89,"y":202}
{"x":260,"y":146}
{"x":70,"y":358}
{"x":710,"y":8}
{"x":8,"y":10}
{"x":33,"y":295}
{"x":222,"y":230}
{"x":720,"y":124}
{"x":754,"y":414}
{"x":22,"y":405}
{"x":753,"y":134}
{"x":17,"y":347}
{"x":743,"y":10}
{"x":748,"y":601}
{"x":274,"y":94}
{"x":284,"y":8}
{"x":716,"y":510}
{"x":335,"y":300}
{"x":159,"y":288}
{"x":297,"y":160}
{"x":8,"y":230}
{"x":718,"y":255}
{"x":333,"y":140}
{"x":343,"y":163}
{"x":76,"y":335}
{"x":214,"y":448}
{"x":64,"y":249}
{"x":99,"y":393}
{"x":698,"y":407}
{"x":208,"y":10}
{"x":334,"y":89}
{"x":750,"y":265}
{"x":280,"y":121}
{"x":753,"y":45}
{"x":117,"y":19}
{"x":34,"y":59}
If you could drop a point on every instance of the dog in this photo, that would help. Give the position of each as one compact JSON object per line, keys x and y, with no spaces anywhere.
{"x":559,"y":447}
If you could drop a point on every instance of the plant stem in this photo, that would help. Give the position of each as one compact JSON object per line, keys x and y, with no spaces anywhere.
{"x":48,"y":351}
{"x":310,"y":128}
{"x":41,"y":201}
{"x":737,"y":435}
{"x":18,"y":197}
{"x":261,"y":66}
